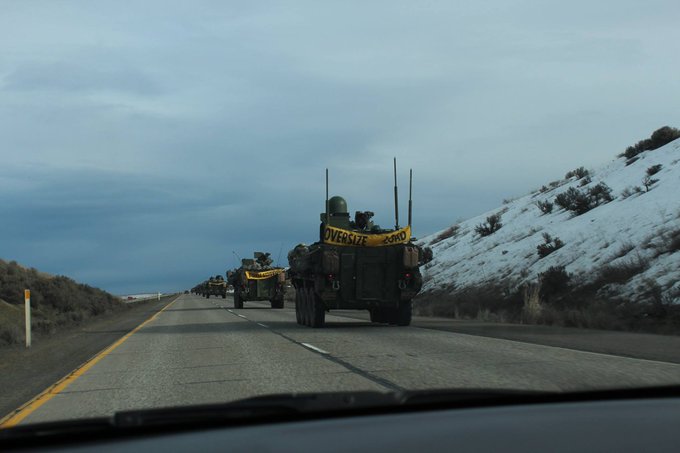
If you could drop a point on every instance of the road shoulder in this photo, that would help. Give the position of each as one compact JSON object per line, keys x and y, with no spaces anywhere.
{"x":50,"y":359}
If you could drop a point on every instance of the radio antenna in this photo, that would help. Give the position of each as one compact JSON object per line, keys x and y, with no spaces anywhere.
{"x":238,"y":258}
{"x":279,"y":255}
{"x":396,"y":198}
{"x":326,"y":218}
{"x":410,"y":195}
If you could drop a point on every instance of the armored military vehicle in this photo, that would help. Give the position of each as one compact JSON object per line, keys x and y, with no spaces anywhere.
{"x":357,"y":265}
{"x":216,"y":286}
{"x":257,"y":280}
{"x":200,"y":288}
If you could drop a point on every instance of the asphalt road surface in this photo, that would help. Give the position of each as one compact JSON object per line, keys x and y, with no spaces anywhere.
{"x":25,"y":373}
{"x":203,"y":351}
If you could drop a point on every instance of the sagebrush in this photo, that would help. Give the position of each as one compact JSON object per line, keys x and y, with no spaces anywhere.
{"x":493,"y":224}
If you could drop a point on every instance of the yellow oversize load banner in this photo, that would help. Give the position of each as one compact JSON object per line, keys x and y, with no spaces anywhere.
{"x":338,"y":236}
{"x":252,"y":275}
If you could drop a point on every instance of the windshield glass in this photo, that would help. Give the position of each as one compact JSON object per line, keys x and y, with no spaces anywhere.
{"x":207,"y":201}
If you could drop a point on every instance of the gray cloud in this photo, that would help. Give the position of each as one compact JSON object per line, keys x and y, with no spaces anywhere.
{"x":142,"y":145}
{"x":80,"y":76}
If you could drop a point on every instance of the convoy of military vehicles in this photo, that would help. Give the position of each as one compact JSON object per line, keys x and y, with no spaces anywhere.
{"x":214,"y":286}
{"x":354,"y":265}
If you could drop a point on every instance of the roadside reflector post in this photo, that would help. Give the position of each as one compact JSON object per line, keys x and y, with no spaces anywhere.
{"x":159,"y":296}
{"x":27,"y":310}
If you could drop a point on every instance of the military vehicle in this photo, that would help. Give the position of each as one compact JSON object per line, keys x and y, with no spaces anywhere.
{"x":257,"y":280}
{"x":216,"y":286}
{"x":357,"y":265}
{"x":200,"y":288}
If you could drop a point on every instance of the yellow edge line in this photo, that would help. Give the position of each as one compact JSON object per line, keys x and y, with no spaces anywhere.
{"x":27,"y":409}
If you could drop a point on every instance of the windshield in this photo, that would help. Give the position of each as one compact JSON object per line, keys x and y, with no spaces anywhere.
{"x":202,"y":202}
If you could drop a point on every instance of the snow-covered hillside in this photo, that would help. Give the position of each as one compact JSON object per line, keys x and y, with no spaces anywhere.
{"x":642,"y":228}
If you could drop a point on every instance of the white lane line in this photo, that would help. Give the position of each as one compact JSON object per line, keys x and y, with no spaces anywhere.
{"x":314,"y":348}
{"x":229,"y":311}
{"x":263,"y":325}
{"x":241,"y":316}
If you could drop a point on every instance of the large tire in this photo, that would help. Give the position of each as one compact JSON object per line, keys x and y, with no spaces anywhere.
{"x":224,"y":296}
{"x":238,"y":302}
{"x":276,"y":302}
{"x":304,"y":296}
{"x":404,"y":314}
{"x":317,"y":310}
{"x":207,"y":296}
{"x":378,"y":315}
{"x":298,"y":306}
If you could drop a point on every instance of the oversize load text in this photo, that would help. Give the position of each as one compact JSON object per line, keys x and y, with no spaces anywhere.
{"x":338,"y":236}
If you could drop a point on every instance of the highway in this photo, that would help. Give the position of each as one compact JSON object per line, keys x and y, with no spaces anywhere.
{"x":202,"y":351}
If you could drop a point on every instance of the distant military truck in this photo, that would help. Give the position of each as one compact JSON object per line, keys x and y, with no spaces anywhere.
{"x":258,"y":280}
{"x":199,"y":289}
{"x":216,"y":286}
{"x":357,"y":265}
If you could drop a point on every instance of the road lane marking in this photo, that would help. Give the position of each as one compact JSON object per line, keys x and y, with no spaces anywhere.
{"x":383,"y":382}
{"x":27,"y":409}
{"x":241,"y":316}
{"x":263,"y":325}
{"x":314,"y":348}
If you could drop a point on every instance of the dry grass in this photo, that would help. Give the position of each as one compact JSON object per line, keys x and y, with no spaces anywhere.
{"x":531,"y":311}
{"x":672,"y":242}
{"x":446,"y":234}
{"x":11,"y":324}
{"x":492,"y":301}
{"x":621,"y":272}
{"x":56,"y":301}
{"x":624,"y":250}
{"x":581,"y":306}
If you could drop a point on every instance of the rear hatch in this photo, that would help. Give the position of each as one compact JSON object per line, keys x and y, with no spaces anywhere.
{"x":262,"y":289}
{"x":376,"y":272}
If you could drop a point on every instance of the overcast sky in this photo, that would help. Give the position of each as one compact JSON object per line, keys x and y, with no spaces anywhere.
{"x":141,"y":145}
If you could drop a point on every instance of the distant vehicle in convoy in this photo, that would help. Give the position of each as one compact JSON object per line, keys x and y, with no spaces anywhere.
{"x":258,"y":280}
{"x":357,"y":265}
{"x":200,"y":289}
{"x":216,"y":286}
